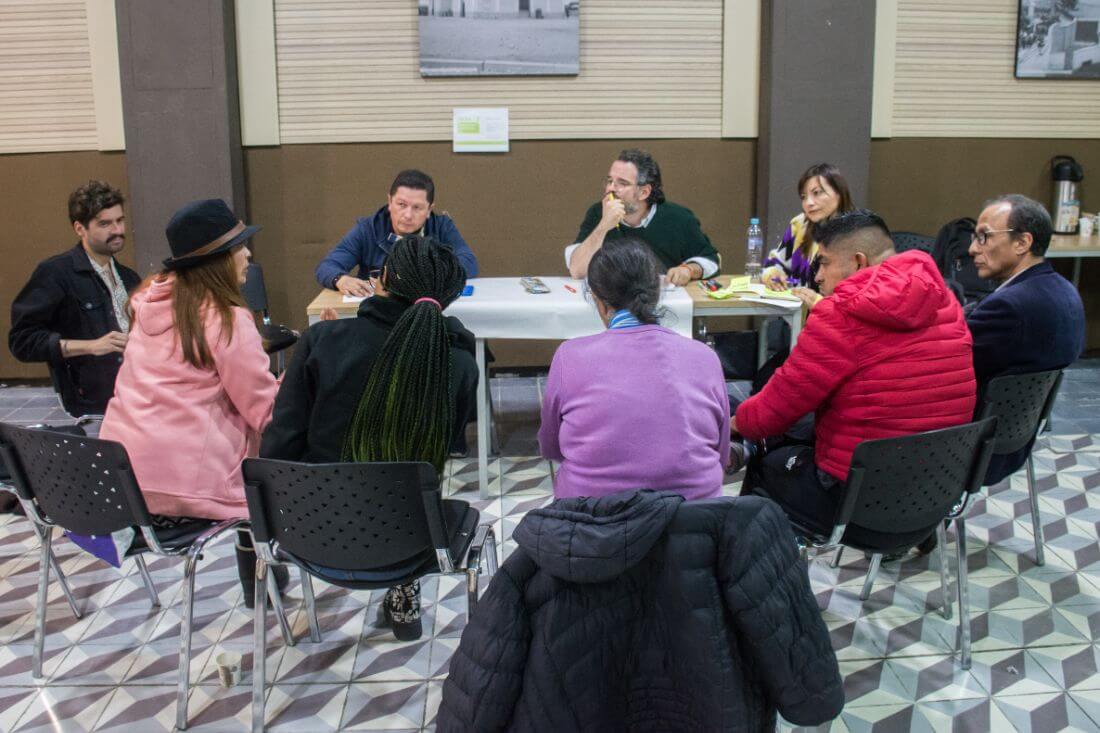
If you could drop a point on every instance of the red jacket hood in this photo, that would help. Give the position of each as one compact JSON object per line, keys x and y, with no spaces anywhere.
{"x":903,"y":293}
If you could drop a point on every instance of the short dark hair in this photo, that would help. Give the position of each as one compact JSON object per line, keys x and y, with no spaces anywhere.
{"x":624,"y":274}
{"x":90,"y":199}
{"x":413,"y":178}
{"x":649,"y":173}
{"x":843,"y":226}
{"x":1027,"y":216}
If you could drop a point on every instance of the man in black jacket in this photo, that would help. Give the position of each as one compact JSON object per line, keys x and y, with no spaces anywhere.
{"x":72,"y":314}
{"x":642,"y":611}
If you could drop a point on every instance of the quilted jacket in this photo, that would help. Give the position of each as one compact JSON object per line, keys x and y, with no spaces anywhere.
{"x":639,"y":611}
{"x":887,"y":354}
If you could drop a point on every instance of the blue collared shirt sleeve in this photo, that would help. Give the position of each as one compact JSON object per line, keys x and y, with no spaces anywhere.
{"x":448,"y":234}
{"x":344,"y":256}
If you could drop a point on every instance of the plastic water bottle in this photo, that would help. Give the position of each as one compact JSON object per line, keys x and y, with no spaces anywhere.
{"x":755,"y":237}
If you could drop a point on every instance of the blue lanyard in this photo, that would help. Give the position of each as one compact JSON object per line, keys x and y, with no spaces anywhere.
{"x":623,"y":319}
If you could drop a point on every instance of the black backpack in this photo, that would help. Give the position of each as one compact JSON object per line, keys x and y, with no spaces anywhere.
{"x":952,"y":256}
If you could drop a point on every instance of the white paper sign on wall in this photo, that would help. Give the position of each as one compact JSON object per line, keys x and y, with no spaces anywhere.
{"x":480,"y":130}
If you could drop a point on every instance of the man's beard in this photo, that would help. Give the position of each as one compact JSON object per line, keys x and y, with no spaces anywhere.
{"x":110,"y":247}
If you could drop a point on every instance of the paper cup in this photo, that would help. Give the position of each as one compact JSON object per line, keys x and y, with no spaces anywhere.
{"x":1085,"y":226}
{"x":229,"y":668}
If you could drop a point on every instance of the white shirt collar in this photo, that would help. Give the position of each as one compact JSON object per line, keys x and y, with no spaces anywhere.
{"x":1006,"y":282}
{"x":648,"y":218}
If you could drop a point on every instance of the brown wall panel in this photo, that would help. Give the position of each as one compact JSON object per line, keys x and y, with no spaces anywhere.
{"x":919,"y":184}
{"x":35,"y":207}
{"x":517,"y":210}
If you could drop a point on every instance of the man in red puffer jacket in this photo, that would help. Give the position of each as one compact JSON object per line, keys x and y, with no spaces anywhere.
{"x":885,"y":352}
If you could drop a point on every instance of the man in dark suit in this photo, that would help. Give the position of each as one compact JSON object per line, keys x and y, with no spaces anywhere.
{"x":72,"y":313}
{"x":1034,"y":321}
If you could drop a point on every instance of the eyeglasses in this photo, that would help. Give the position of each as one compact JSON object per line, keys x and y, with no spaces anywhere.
{"x":618,"y":183}
{"x":981,"y":237}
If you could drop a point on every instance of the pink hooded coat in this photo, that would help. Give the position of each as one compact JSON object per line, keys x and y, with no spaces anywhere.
{"x":187,"y":430}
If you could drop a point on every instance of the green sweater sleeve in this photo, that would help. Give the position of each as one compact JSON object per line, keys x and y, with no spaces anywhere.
{"x":591,"y":219}
{"x":695,"y":243}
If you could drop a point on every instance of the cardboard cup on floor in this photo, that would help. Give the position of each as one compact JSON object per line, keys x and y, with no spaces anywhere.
{"x":229,"y":668}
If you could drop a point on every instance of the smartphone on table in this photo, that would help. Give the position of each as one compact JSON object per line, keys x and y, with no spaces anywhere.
{"x":534,"y":285}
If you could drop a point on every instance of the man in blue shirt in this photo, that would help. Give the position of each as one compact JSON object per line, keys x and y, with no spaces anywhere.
{"x":408,"y":210}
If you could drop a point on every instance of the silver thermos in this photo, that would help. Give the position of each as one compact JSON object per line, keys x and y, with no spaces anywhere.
{"x":1066,"y":207}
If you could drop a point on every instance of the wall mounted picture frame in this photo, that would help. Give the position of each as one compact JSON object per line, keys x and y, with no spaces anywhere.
{"x":499,"y":37}
{"x":1058,"y":39}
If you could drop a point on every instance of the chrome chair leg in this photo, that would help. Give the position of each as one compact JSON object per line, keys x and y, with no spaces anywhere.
{"x":150,"y":587}
{"x":1036,"y":519}
{"x":259,"y":647}
{"x":46,"y":542}
{"x":187,"y":608}
{"x":494,"y":434}
{"x":277,"y":604}
{"x":941,"y":540}
{"x":311,"y":606}
{"x":836,"y":556}
{"x":876,"y":561}
{"x":964,"y":594}
{"x":64,"y":583}
{"x":491,"y":558}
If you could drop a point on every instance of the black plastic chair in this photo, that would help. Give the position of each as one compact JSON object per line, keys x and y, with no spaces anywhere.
{"x":905,"y":241}
{"x":86,"y":486}
{"x":276,"y":337}
{"x":899,"y":491}
{"x":1022,"y":404}
{"x":386,"y":519}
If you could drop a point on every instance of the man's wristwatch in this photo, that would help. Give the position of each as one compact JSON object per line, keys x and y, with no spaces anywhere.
{"x":337,"y":279}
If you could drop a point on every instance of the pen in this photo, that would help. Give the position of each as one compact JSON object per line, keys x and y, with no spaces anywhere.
{"x":570,"y":288}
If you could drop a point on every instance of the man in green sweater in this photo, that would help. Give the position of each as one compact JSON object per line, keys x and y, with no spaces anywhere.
{"x":634,"y":205}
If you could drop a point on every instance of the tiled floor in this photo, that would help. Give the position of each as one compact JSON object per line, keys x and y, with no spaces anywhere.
{"x":1036,"y":652}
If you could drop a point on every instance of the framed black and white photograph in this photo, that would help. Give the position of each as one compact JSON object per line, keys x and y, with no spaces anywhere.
{"x":1058,"y":39}
{"x":499,"y":37}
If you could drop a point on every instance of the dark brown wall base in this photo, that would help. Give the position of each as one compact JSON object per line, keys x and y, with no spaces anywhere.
{"x":920,"y":184}
{"x":517,"y":211}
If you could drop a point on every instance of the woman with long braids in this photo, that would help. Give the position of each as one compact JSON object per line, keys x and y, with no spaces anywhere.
{"x":395,"y":383}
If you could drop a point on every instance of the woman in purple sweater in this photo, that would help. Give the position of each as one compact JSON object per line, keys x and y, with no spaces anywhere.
{"x":637,"y":406}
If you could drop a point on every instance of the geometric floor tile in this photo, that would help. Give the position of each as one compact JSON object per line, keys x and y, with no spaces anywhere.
{"x":1036,"y":629}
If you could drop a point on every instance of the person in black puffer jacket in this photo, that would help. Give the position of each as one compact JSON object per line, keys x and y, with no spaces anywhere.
{"x":637,"y":611}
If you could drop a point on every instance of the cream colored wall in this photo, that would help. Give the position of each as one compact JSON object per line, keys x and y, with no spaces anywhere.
{"x":952,"y":76}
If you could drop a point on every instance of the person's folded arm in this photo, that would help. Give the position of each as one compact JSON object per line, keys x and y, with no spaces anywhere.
{"x":244,"y":369}
{"x":549,"y":446}
{"x":697,"y":246}
{"x":995,"y":327}
{"x":823,"y":358}
{"x":449,"y":235}
{"x":343,"y":257}
{"x":32,"y":337}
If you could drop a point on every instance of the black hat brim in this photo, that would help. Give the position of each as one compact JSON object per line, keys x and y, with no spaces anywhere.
{"x":182,"y":263}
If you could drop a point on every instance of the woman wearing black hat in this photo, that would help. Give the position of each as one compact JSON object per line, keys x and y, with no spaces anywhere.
{"x":195,"y":389}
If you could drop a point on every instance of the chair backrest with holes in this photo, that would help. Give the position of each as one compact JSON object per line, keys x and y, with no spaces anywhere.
{"x":912,"y":482}
{"x":1020,"y":402}
{"x":350,"y":516}
{"x":84,"y":485}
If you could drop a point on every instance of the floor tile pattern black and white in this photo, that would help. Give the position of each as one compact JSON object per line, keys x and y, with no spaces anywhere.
{"x":1036,"y":629}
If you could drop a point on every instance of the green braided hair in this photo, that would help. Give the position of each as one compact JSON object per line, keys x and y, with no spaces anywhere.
{"x":405,"y":412}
